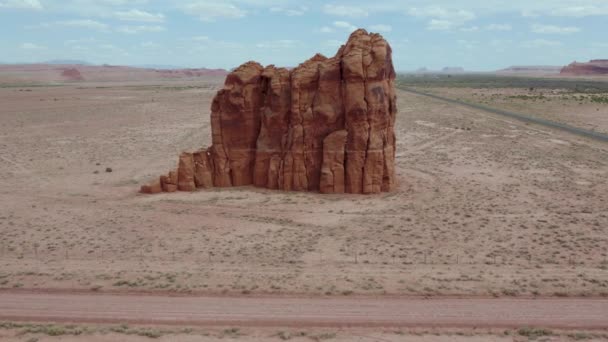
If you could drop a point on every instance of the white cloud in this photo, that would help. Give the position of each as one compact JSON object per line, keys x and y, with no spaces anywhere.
{"x":381,"y":28}
{"x":326,"y":29}
{"x":208,"y":10}
{"x":137,"y":15}
{"x":499,"y":27}
{"x":21,"y":4}
{"x":551,"y":29}
{"x":345,"y":11}
{"x":31,"y":46}
{"x":442,"y":19}
{"x":290,"y":12}
{"x":84,"y":23}
{"x":470,"y":29}
{"x":438,"y":12}
{"x":73,"y":42}
{"x":149,"y":45}
{"x":538,"y":43}
{"x":200,"y":38}
{"x":345,"y":25}
{"x":569,"y":8}
{"x":140,"y":29}
{"x":440,"y":25}
{"x":600,"y":8}
{"x":78,"y":23}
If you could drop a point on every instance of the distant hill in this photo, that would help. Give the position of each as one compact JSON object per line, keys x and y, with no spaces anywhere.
{"x":66,"y":62}
{"x":50,"y":73}
{"x":453,"y":70}
{"x":531,"y":70}
{"x":591,"y":68}
{"x":158,"y":66}
{"x":446,"y":70}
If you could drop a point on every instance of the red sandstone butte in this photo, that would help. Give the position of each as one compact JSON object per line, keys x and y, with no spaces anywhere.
{"x":327,"y":126}
{"x":593,"y":67}
{"x":72,"y":74}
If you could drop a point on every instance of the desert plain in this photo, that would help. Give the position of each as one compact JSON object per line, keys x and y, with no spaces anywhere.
{"x":486,"y":206}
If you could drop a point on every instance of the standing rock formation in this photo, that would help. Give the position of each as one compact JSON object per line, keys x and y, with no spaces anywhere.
{"x":327,"y":125}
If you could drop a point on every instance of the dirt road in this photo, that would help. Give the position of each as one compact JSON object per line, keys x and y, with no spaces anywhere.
{"x":305,"y":312}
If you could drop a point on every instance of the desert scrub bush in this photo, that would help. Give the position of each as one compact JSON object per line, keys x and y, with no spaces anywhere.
{"x":53,"y":330}
{"x":126,"y":330}
{"x":126,"y":283}
{"x":323,"y":336}
{"x":534,"y":333}
{"x":284,"y":335}
{"x":579,"y":336}
{"x":233,"y":332}
{"x":599,"y":99}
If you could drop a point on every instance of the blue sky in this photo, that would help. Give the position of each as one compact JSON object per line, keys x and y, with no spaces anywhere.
{"x":474,"y":34}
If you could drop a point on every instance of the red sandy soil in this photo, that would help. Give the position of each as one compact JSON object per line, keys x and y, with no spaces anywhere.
{"x":485,"y":206}
{"x":306,"y":312}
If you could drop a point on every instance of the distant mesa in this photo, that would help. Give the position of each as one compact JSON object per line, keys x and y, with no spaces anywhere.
{"x":67,"y":62}
{"x":326,"y":125}
{"x":72,"y":72}
{"x":593,"y":67}
{"x":181,"y":73}
{"x":72,"y":75}
{"x":445,"y":70}
{"x":531,"y":70}
{"x":453,"y":70}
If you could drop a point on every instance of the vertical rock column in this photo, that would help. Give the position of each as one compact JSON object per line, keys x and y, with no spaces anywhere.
{"x":235,"y":125}
{"x":274,"y":116}
{"x":332,"y":171}
{"x":370,"y":109}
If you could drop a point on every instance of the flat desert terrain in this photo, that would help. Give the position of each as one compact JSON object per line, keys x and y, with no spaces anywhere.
{"x":486,"y":206}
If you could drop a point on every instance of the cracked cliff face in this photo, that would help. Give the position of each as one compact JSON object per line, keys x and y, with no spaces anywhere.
{"x":327,"y":125}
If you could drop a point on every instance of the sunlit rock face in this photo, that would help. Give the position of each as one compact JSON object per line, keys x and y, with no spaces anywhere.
{"x":326,"y":126}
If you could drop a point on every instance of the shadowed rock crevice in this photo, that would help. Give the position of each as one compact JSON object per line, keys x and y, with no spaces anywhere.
{"x":327,"y":125}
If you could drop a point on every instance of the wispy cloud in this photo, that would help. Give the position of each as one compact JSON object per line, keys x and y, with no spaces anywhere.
{"x":76,"y":23}
{"x":470,"y":29}
{"x":149,"y":45}
{"x":21,"y":4}
{"x":552,"y":29}
{"x":443,"y":13}
{"x":31,"y":46}
{"x":290,"y":12}
{"x":140,"y":29}
{"x":538,"y":43}
{"x":212,"y":10}
{"x":138,"y":15}
{"x":442,"y":18}
{"x":499,"y":27}
{"x":345,"y":11}
{"x":576,"y":9}
{"x":345,"y":25}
